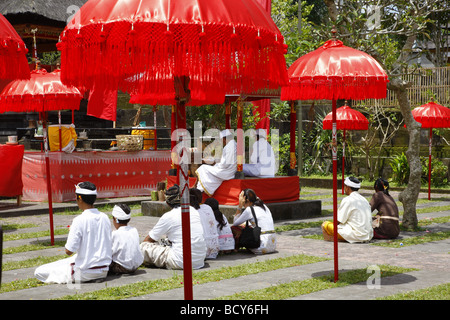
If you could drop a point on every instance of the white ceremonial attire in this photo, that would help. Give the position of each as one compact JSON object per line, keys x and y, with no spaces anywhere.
{"x":209,"y":231}
{"x":262,"y":160}
{"x":355,"y":217}
{"x":90,"y":238}
{"x":171,"y":257}
{"x":211,"y":177}
{"x":265,"y":222}
{"x":125,"y":248}
{"x":226,"y":239}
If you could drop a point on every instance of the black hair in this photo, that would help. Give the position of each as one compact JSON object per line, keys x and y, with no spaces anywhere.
{"x":214,"y":204}
{"x":381,"y":185}
{"x":195,"y":197}
{"x":125,"y":209}
{"x":89,"y":199}
{"x":173,"y":197}
{"x":250,"y":195}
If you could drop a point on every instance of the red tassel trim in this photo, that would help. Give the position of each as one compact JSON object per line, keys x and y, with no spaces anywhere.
{"x":217,"y":58}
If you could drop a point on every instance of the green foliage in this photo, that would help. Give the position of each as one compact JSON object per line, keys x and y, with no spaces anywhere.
{"x":400,"y":170}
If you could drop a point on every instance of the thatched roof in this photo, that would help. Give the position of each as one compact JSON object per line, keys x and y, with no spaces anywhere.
{"x":58,"y":10}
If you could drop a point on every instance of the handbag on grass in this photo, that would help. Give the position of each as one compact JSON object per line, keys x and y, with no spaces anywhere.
{"x":250,"y":236}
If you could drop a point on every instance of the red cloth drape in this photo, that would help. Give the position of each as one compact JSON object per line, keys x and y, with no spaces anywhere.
{"x":277,"y":189}
{"x":263,"y":106}
{"x":102,"y":103}
{"x":11,"y":168}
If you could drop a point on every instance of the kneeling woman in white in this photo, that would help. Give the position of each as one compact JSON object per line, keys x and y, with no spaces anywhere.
{"x":89,"y":237}
{"x":248,"y":199}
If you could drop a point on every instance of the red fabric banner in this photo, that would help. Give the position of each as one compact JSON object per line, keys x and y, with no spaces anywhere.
{"x":102,"y":103}
{"x":115,"y":173}
{"x":11,"y":169}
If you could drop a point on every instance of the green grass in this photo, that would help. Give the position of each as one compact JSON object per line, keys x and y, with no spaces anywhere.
{"x":37,"y":234}
{"x":302,"y":287}
{"x":33,"y":247}
{"x":14,"y":226}
{"x":439,"y":292}
{"x":33,"y":262}
{"x":20,"y":285}
{"x":199,"y":277}
{"x":420,"y":239}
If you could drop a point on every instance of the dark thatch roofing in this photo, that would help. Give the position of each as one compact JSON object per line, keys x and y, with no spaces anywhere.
{"x":59,"y":10}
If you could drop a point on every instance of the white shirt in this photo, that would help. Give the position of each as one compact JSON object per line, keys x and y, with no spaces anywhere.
{"x":170,"y":225}
{"x":265,"y":222}
{"x":211,"y":177}
{"x":262,"y":153}
{"x":125,"y":248}
{"x":90,"y":238}
{"x":209,"y":231}
{"x":355,"y":217}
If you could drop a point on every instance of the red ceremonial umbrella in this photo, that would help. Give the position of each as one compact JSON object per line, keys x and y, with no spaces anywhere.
{"x":172,"y":49}
{"x":332,"y":72}
{"x":346,"y":119}
{"x":41,"y":93}
{"x":13,"y":62}
{"x":431,"y":115}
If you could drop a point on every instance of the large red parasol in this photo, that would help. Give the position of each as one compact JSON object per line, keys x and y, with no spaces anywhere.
{"x":346,"y":119}
{"x":332,"y":72}
{"x":168,"y":50}
{"x":431,"y":115}
{"x":13,"y":62}
{"x":141,"y":45}
{"x":41,"y":93}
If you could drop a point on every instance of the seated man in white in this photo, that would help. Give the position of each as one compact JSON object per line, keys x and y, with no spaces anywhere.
{"x":211,"y":177}
{"x":89,"y":237}
{"x":262,"y":159}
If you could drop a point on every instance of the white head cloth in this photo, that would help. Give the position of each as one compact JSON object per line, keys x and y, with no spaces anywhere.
{"x":352,"y":184}
{"x":80,"y":190}
{"x":262,"y":133}
{"x":118,"y":213}
{"x":225,"y":133}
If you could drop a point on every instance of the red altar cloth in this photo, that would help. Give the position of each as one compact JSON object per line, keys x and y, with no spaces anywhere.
{"x":277,"y":189}
{"x":11,"y":170}
{"x":115,"y":173}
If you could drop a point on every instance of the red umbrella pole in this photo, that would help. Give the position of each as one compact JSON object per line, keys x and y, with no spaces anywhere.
{"x":343,"y":162}
{"x":429,"y":164}
{"x":49,"y":184}
{"x":334,"y":155}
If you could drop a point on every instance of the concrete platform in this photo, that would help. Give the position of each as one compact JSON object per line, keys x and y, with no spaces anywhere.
{"x":300,"y":209}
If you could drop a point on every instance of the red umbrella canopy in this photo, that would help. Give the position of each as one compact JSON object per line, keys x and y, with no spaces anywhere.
{"x":13,"y":62}
{"x":140,"y":46}
{"x":42,"y":92}
{"x":335,"y":71}
{"x":432,"y":115}
{"x":346,"y":119}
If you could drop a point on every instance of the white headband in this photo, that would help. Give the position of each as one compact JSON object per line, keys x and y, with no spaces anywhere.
{"x":80,"y":190}
{"x":118,"y":213}
{"x":352,"y":184}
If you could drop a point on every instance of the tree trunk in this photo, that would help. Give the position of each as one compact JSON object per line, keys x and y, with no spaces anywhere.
{"x":409,"y":196}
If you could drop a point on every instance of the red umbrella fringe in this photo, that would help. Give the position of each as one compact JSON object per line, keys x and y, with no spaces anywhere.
{"x":13,"y":62}
{"x":355,"y":88}
{"x":216,"y":59}
{"x":29,"y":103}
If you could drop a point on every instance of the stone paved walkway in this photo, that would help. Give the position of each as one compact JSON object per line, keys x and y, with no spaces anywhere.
{"x":432,"y":259}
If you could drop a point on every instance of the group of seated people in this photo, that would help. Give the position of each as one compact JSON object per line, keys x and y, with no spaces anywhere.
{"x":261,"y":164}
{"x":354,"y":217}
{"x":96,"y":251}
